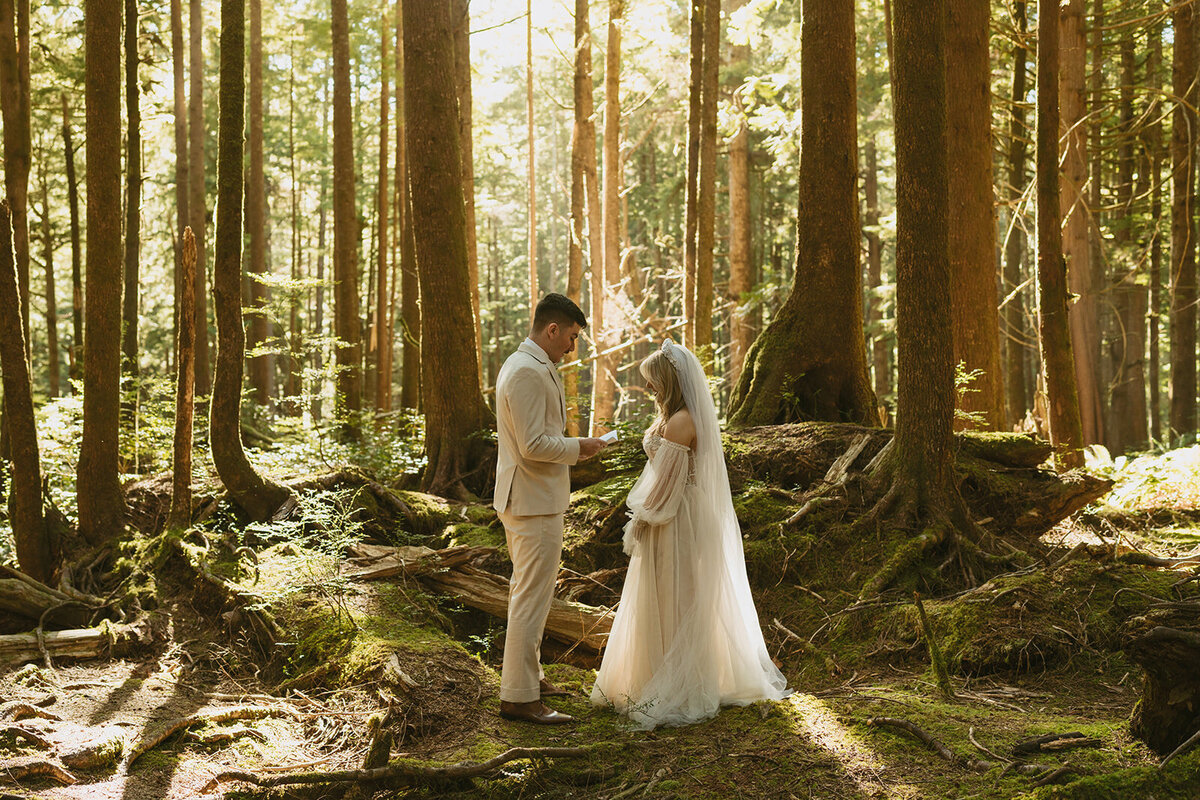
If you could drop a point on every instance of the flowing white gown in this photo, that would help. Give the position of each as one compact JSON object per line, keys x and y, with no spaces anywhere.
{"x":686,"y":637}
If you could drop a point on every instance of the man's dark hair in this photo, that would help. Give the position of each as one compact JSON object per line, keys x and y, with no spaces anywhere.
{"x":559,"y":308}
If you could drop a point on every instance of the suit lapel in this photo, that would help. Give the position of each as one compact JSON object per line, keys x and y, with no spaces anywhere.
{"x":540,"y":354}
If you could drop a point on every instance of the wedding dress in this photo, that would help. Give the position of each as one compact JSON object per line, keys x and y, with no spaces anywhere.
{"x":686,"y":638}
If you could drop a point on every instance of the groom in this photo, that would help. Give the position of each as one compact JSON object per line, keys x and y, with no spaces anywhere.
{"x":533,"y":488}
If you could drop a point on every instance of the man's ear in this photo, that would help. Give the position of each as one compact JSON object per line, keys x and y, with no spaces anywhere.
{"x":552,"y":329}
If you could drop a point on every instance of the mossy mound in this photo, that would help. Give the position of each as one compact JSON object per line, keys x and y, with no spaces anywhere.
{"x":1179,"y":780}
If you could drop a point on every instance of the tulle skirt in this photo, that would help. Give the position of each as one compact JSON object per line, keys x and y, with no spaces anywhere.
{"x":682,"y":645}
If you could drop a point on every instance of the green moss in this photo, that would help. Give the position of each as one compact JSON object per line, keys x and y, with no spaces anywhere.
{"x":758,"y":507}
{"x":606,"y":493}
{"x":466,"y":533}
{"x":430,"y":513}
{"x":1180,"y":780}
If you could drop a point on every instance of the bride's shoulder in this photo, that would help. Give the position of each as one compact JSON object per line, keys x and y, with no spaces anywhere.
{"x":680,"y":428}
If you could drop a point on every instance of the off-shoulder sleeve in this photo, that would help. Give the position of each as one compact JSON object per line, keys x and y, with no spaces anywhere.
{"x":654,"y":499}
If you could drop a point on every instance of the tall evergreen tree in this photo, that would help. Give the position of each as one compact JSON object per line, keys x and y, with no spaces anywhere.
{"x":347,"y":326}
{"x":1182,"y":320}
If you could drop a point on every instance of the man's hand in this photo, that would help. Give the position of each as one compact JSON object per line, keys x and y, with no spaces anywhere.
{"x":589,"y":447}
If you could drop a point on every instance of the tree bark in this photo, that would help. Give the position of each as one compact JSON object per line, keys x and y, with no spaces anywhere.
{"x":1073,"y":207}
{"x":348,"y":350}
{"x":410,"y":288}
{"x":974,"y":301}
{"x":259,"y":497}
{"x":1062,"y":399}
{"x":197,"y":211}
{"x":531,"y":166}
{"x":52,"y":360}
{"x":294,"y":388}
{"x":179,"y":87}
{"x":706,"y":187}
{"x":15,"y":111}
{"x":583,"y":138}
{"x":1182,"y":320}
{"x":1154,"y":156}
{"x":1127,"y":431}
{"x":453,"y":402}
{"x":462,"y":71}
{"x":75,"y":355}
{"x":319,"y":302}
{"x":180,"y":516}
{"x":261,"y":367}
{"x":811,"y":362}
{"x":1014,"y":246}
{"x":742,"y":272}
{"x":133,"y":197}
{"x":101,"y":503}
{"x":383,"y":316}
{"x":691,"y":202}
{"x":36,"y":553}
{"x":880,"y":346}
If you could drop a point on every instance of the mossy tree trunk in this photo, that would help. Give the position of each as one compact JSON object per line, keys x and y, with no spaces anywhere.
{"x":179,"y":88}
{"x":258,"y":497}
{"x":101,"y":503}
{"x":455,"y":412}
{"x":75,"y":354}
{"x":811,"y":361}
{"x":185,"y":387}
{"x":1014,"y":247}
{"x":197,"y":211}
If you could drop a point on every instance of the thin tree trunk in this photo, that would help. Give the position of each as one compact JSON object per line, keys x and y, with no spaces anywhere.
{"x":1128,"y":430}
{"x":261,"y":367}
{"x":179,"y":87}
{"x":583,"y":136}
{"x":75,"y":355}
{"x":1154,"y":157}
{"x":976,"y":326}
{"x":348,"y":392}
{"x":295,"y":332}
{"x":197,"y":211}
{"x":811,"y":361}
{"x":462,"y":71}
{"x":37,"y":555}
{"x":1066,"y":432}
{"x":1182,"y":320}
{"x":383,"y":338}
{"x":52,"y":360}
{"x":1014,"y":246}
{"x":319,"y":302}
{"x":880,"y":347}
{"x":410,"y":290}
{"x":259,"y":497}
{"x":531,"y":164}
{"x":1073,"y":207}
{"x":101,"y":503}
{"x":15,"y":111}
{"x":133,"y":197}
{"x":180,"y":516}
{"x":742,"y":277}
{"x":706,"y":182}
{"x":691,"y":202}
{"x":453,"y":402}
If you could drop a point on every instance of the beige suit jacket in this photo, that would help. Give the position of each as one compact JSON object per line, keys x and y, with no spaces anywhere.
{"x":533,"y":465}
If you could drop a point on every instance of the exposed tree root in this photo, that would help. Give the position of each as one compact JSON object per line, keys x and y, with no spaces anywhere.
{"x":973,"y":764}
{"x":402,"y":774}
{"x":218,"y":715}
{"x":18,"y":710}
{"x":17,"y":732}
{"x":103,"y":750}
{"x":38,"y":768}
{"x":241,"y":608}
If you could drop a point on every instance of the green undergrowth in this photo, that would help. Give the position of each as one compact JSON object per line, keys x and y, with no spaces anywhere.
{"x":1179,"y":780}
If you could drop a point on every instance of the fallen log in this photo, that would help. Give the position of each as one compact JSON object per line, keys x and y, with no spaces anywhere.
{"x":22,"y":596}
{"x":1169,"y":711}
{"x":103,"y":640}
{"x":375,"y":562}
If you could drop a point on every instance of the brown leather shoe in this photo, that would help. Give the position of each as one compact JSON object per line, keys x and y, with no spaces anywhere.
{"x":535,"y":712}
{"x":548,"y":689}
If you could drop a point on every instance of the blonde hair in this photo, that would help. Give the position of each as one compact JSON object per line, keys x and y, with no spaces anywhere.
{"x":658,"y":370}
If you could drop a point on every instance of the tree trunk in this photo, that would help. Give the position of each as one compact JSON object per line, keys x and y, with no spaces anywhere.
{"x":197,"y":211}
{"x":261,"y":367}
{"x":453,"y":402}
{"x":583,"y":137}
{"x":606,"y":327}
{"x":1182,"y":320}
{"x":1128,"y":429}
{"x":180,"y":516}
{"x":880,"y":349}
{"x":133,"y":198}
{"x":706,"y":182}
{"x":52,"y":360}
{"x":383,"y":330}
{"x":319,"y":302}
{"x":101,"y":503}
{"x":410,"y":289}
{"x":1073,"y":131}
{"x":15,"y":111}
{"x":259,"y":497}
{"x":691,"y":203}
{"x":811,"y":361}
{"x":295,"y":333}
{"x":466,"y":139}
{"x":348,"y":383}
{"x":1054,"y":330}
{"x":36,"y":554}
{"x":974,"y":304}
{"x":531,"y":165}
{"x":75,"y":354}
{"x":179,"y":86}
{"x":742,"y":273}
{"x":1014,"y":245}
{"x":1154,"y":155}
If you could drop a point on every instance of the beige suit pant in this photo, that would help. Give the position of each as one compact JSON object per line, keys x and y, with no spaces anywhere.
{"x":535,"y":547}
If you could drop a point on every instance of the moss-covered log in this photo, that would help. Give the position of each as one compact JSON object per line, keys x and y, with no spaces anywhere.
{"x":1169,"y":711}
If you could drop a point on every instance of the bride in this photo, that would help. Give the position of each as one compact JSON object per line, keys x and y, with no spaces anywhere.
{"x":686,"y":639}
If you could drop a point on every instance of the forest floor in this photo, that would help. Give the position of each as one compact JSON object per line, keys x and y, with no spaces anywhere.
{"x":1032,"y":652}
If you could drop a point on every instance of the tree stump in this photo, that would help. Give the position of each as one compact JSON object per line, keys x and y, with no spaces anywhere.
{"x":1169,"y":711}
